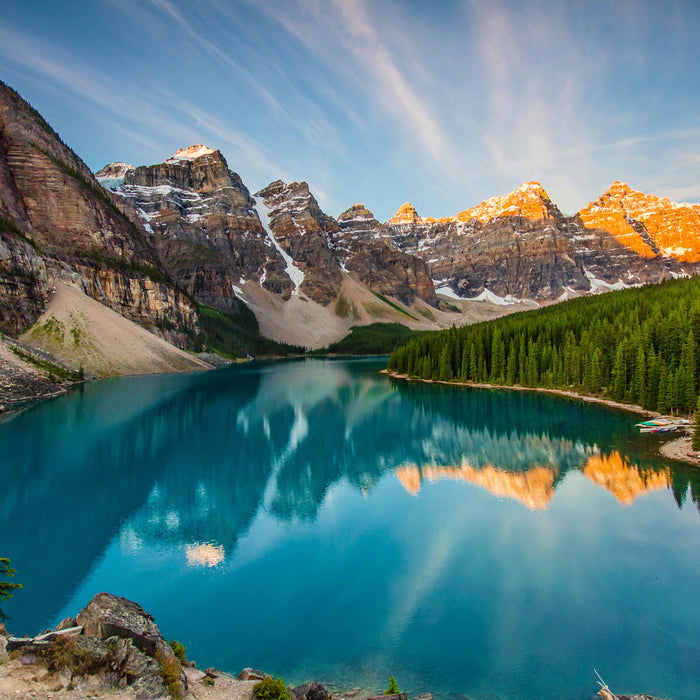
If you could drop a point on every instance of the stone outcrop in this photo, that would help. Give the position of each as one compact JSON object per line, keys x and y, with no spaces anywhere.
{"x":310,"y":691}
{"x":115,"y":644}
{"x":57,"y":221}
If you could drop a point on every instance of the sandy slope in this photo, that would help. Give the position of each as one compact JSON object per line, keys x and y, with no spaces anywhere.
{"x":80,"y":331}
{"x":301,"y":321}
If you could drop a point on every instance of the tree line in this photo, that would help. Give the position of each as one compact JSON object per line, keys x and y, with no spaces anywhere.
{"x":638,"y":346}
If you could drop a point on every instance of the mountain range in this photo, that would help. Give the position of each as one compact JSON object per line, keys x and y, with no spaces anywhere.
{"x":158,"y":243}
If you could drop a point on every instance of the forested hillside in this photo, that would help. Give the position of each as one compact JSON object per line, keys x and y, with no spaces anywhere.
{"x":637,"y":346}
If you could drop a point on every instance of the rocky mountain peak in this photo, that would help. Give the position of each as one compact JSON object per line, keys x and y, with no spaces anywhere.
{"x":294,"y":196}
{"x":406,"y":214}
{"x":648,"y":224}
{"x":113,"y":171}
{"x":190,"y":153}
{"x":356,"y":212}
{"x":195,"y":168}
{"x":529,"y":200}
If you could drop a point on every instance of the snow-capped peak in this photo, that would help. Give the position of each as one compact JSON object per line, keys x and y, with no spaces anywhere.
{"x":190,"y":153}
{"x":113,"y":170}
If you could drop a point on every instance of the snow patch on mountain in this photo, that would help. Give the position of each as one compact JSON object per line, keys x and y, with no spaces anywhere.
{"x":190,"y":153}
{"x":599,"y":286}
{"x":293,"y":272}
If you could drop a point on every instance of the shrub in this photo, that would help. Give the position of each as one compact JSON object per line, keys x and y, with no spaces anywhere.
{"x":393,"y":688}
{"x":170,"y":673}
{"x":271,"y":689}
{"x":180,"y":651}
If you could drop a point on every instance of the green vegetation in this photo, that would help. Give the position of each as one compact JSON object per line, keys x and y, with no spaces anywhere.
{"x":271,"y":689}
{"x":236,"y":334}
{"x":696,"y":427}
{"x":375,"y":339}
{"x":123,"y":265}
{"x":52,"y":328}
{"x":344,"y":308}
{"x":638,"y":346}
{"x":7,"y":588}
{"x":180,"y":651}
{"x":393,"y":688}
{"x":7,"y":225}
{"x":55,"y":372}
{"x":170,"y":673}
{"x":393,"y":306}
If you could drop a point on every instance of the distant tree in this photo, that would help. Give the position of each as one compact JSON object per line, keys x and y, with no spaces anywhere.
{"x":7,"y":588}
{"x":696,"y":427}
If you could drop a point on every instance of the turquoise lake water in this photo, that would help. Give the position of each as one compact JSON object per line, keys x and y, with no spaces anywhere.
{"x":319,"y":520}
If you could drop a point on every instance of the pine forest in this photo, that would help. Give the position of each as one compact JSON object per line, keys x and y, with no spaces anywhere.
{"x":637,"y":346}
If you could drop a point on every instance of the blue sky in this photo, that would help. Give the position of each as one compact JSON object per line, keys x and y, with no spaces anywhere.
{"x":376,"y":101}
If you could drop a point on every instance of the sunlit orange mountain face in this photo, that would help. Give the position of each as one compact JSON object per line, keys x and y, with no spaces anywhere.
{"x":520,"y":246}
{"x":625,"y":481}
{"x":535,"y":487}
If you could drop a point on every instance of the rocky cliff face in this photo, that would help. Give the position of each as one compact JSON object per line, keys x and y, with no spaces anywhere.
{"x":304,"y":233}
{"x":520,"y":245}
{"x":203,"y":223}
{"x":59,"y":222}
{"x":364,"y":246}
{"x":651,"y":226}
{"x":326,"y":249}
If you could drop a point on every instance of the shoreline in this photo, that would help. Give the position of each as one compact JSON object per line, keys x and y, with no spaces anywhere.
{"x":679,"y":449}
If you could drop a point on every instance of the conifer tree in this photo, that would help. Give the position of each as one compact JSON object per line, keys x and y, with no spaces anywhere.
{"x":7,"y":588}
{"x":696,"y":427}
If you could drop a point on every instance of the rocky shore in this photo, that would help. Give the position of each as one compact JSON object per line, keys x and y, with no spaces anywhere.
{"x":21,"y":381}
{"x":114,"y":649}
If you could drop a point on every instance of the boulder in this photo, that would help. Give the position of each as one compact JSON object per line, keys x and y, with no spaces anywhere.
{"x":107,"y":615}
{"x":250,"y":674}
{"x":27,"y":644}
{"x":310,"y":691}
{"x":395,"y":696}
{"x":65,"y":624}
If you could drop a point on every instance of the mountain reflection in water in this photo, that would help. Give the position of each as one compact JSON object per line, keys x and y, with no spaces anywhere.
{"x":199,"y":485}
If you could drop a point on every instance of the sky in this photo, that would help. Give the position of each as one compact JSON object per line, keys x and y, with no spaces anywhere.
{"x":441,"y":103}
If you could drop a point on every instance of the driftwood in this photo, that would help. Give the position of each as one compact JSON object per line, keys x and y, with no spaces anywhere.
{"x":606,"y":694}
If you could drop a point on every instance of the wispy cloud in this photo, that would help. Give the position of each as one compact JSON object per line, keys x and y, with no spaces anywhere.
{"x":171,"y":119}
{"x":342,"y":36}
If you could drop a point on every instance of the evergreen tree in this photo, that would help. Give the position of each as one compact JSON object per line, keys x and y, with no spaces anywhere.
{"x":696,"y":427}
{"x":393,"y":688}
{"x":7,"y":588}
{"x":445,"y":367}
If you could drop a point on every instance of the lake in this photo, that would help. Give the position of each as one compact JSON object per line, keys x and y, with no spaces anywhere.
{"x":319,"y":520}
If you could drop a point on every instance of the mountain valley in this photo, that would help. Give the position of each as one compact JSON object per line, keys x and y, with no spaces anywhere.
{"x":169,"y":244}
